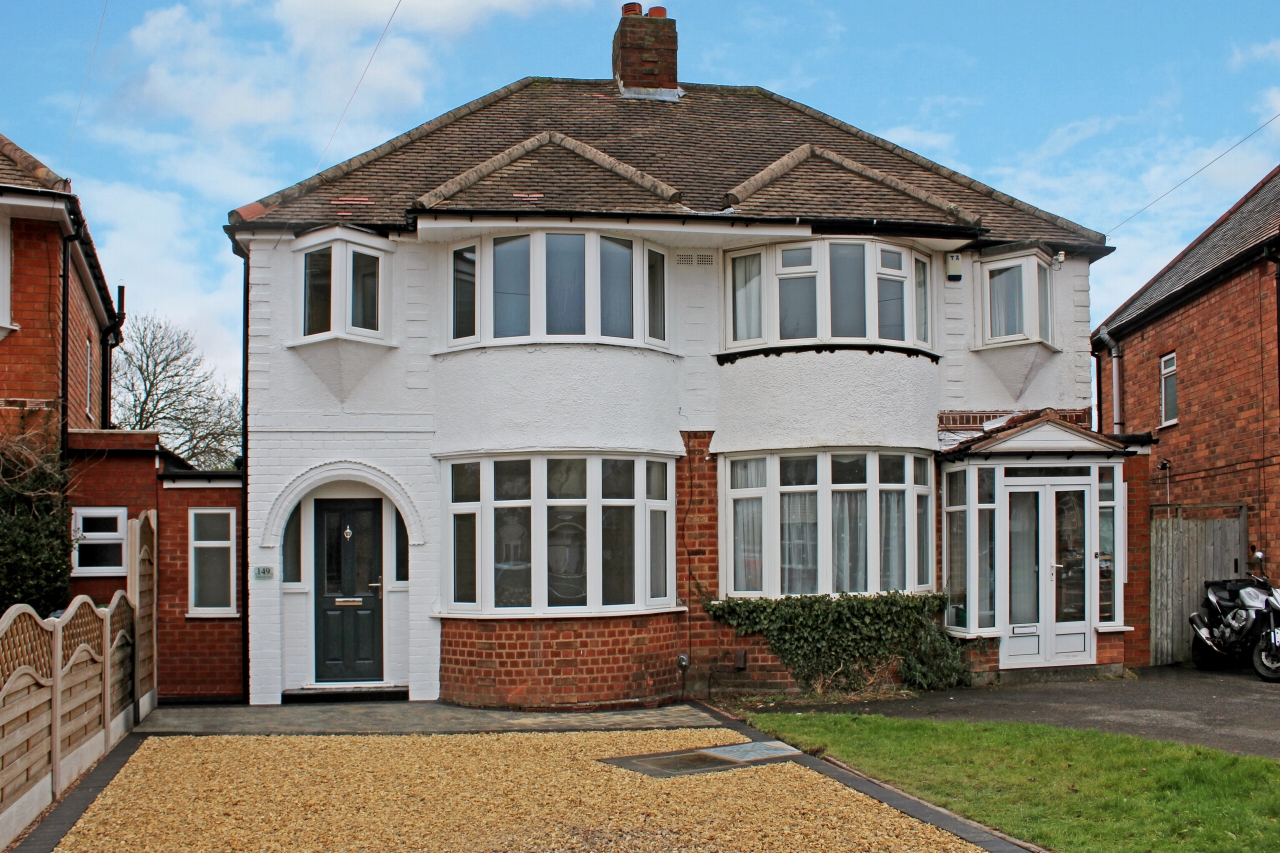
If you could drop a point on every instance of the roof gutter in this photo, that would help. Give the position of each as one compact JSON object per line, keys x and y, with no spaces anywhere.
{"x":1117,"y":406}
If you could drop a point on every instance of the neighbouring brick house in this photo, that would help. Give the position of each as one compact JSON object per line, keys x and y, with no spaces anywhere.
{"x":1188,"y":376}
{"x":528,"y":380}
{"x":58,"y":327}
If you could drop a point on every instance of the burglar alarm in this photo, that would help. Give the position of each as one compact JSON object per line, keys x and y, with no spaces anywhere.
{"x":953,"y":267}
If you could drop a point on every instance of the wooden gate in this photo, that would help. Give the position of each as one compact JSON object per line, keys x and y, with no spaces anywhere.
{"x":1190,"y":544}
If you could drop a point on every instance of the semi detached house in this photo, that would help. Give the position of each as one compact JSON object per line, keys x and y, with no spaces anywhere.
{"x":527,"y":380}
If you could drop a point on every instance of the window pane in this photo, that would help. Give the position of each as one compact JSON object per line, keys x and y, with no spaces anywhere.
{"x":511,"y":480}
{"x":799,"y":520}
{"x":566,"y":284}
{"x":364,"y":291}
{"x":924,"y":555}
{"x":402,"y":548}
{"x":510,"y":287}
{"x":849,"y":469}
{"x":799,"y":470}
{"x":1069,"y":548}
{"x":798,"y":308}
{"x":657,"y":553}
{"x":464,"y":558}
{"x":1024,"y":558}
{"x":957,"y":568}
{"x":1107,"y":564}
{"x":747,"y":474}
{"x":100,"y":555}
{"x":849,"y":541}
{"x":797,"y":258}
{"x":1006,"y":302}
{"x":657,"y":296}
{"x":656,"y":481}
{"x":1106,"y":484}
{"x":213,"y":577}
{"x":986,"y":485}
{"x":466,"y":482}
{"x":213,"y":527}
{"x":512,"y":546}
{"x":332,"y":544}
{"x":318,"y":293}
{"x":848,"y":290}
{"x":291,"y":547}
{"x":567,"y":556}
{"x":956,"y":488}
{"x":464,"y":292}
{"x":748,"y":544}
{"x":617,"y":555}
{"x":892,"y":317}
{"x":615,"y":288}
{"x":1170,"y":396}
{"x":922,"y":301}
{"x":890,"y":260}
{"x":893,"y":468}
{"x":922,"y":470}
{"x":1169,"y":362}
{"x":893,"y":540}
{"x":1042,"y":274}
{"x":617,"y":479}
{"x":986,"y":568}
{"x":99,"y":524}
{"x":567,"y":479}
{"x":746,"y":298}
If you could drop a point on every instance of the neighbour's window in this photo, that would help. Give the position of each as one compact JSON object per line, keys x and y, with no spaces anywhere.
{"x":747,"y":306}
{"x":99,"y":534}
{"x":871,"y":536}
{"x":922,"y":300}
{"x":657,"y":295}
{"x":616,"y":299}
{"x":291,"y":548}
{"x":317,"y":298}
{"x":511,"y":287}
{"x":957,"y":552}
{"x":211,"y":561}
{"x":464,"y":293}
{"x":1169,"y":389}
{"x":797,"y":293}
{"x":566,"y":284}
{"x":1106,"y":544}
{"x":986,"y":548}
{"x":848,"y":290}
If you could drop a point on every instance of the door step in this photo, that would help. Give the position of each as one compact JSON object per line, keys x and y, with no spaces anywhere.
{"x":379,"y":693}
{"x":1079,"y":672}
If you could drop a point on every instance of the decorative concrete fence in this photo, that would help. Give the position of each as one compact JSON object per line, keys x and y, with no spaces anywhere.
{"x":72,"y":687}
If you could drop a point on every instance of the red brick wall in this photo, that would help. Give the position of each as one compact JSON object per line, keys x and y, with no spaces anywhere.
{"x":199,"y":657}
{"x":583,"y":663}
{"x":644,"y":53}
{"x":1137,"y":591}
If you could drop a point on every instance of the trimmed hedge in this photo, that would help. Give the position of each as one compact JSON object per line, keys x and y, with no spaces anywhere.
{"x":849,"y":642}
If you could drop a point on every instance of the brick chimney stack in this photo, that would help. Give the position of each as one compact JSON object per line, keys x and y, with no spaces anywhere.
{"x":644,"y":54}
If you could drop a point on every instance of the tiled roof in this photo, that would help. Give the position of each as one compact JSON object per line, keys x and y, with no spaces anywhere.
{"x":713,"y":140}
{"x":996,"y":433}
{"x":1250,"y":222}
{"x":20,"y":169}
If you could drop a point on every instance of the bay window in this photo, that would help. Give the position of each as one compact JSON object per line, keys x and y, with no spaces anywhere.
{"x":818,"y":292}
{"x":1018,"y":298}
{"x":551,"y":534}
{"x":344,"y":284}
{"x":803,"y":523}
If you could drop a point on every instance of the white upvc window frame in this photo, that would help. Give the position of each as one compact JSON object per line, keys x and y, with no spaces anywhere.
{"x":1118,"y":503}
{"x":230,"y":544}
{"x":770,"y":496}
{"x":1030,"y":263}
{"x":538,"y":503}
{"x":344,"y":243}
{"x":1168,"y":371}
{"x":667,"y":314}
{"x":121,"y":536}
{"x":773,"y":274}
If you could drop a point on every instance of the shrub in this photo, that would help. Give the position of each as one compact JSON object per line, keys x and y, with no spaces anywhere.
{"x":35,"y":526}
{"x":850,"y":642}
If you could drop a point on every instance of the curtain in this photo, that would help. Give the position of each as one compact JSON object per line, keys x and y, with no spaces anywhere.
{"x":798,"y":307}
{"x":893,"y":540}
{"x":615,"y":288}
{"x":986,"y":568}
{"x":849,"y":540}
{"x":848,"y":290}
{"x":566,"y":284}
{"x":748,"y":544}
{"x":1006,"y":302}
{"x":746,"y":298}
{"x":924,"y":558}
{"x":1024,"y":558}
{"x":892,"y":317}
{"x":799,"y":519}
{"x":510,"y":287}
{"x":957,"y":563}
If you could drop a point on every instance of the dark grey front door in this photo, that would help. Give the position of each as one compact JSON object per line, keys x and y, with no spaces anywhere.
{"x":348,"y":586}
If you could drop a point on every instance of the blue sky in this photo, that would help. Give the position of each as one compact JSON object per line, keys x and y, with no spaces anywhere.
{"x":1087,"y":109}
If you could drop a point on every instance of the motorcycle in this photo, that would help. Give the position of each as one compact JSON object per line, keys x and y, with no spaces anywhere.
{"x":1238,"y":621}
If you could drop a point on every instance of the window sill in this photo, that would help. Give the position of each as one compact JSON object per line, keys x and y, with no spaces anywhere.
{"x":506,"y":343}
{"x":1172,"y":423}
{"x":339,"y":336}
{"x":218,"y":615}
{"x":731,"y":356}
{"x":1113,"y":629}
{"x":547,"y":617}
{"x":980,"y":634}
{"x":1020,"y":342}
{"x":81,"y":574}
{"x":6,"y":329}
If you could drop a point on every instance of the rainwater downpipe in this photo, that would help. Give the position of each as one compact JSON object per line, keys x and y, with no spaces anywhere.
{"x":1117,"y":402}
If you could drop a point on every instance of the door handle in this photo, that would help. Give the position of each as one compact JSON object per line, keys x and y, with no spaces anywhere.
{"x":377,"y":589}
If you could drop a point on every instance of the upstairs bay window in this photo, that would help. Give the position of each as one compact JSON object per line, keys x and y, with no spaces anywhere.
{"x":1018,"y":300}
{"x":559,"y":287}
{"x":343,"y":286}
{"x":828,"y":291}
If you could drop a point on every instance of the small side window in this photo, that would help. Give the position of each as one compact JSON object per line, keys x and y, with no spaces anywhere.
{"x":99,"y":534}
{"x":212,"y":562}
{"x":657,"y":296}
{"x":364,"y":291}
{"x":1169,"y":389}
{"x":464,"y":293}
{"x":317,"y":300}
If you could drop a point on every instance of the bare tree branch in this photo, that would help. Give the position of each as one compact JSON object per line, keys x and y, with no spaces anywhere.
{"x":160,"y":382}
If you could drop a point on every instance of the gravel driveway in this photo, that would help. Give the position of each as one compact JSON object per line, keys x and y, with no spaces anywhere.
{"x":478,"y":792}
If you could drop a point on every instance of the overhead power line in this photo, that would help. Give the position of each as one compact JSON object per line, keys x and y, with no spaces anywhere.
{"x":358,"y":82}
{"x":1198,"y":171}
{"x":67,"y":159}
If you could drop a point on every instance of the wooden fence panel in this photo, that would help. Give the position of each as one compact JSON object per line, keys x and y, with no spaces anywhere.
{"x":145,"y":603}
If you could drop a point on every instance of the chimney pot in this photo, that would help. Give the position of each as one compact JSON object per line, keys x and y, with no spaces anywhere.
{"x":631,"y":10}
{"x":658,"y":12}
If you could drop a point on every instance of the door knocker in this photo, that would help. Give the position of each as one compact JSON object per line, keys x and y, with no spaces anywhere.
{"x":347,"y":532}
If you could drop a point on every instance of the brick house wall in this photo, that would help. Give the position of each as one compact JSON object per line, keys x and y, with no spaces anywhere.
{"x":1226,"y":444}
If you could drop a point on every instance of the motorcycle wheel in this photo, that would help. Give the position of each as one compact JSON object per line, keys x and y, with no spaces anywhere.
{"x":1205,"y":658}
{"x":1266,"y":665}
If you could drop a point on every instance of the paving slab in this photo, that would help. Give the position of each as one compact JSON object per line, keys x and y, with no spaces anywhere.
{"x":404,"y":718}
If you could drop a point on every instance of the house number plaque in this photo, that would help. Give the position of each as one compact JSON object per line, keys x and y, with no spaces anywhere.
{"x":263,"y":573}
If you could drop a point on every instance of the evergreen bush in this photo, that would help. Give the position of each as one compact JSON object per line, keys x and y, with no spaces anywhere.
{"x":35,"y":525}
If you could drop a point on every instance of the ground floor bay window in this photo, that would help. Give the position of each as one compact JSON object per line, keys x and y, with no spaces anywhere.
{"x":821,"y":522}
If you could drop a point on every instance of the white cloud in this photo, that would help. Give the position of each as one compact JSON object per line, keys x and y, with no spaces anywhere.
{"x":1255,"y":53}
{"x":919,"y":140}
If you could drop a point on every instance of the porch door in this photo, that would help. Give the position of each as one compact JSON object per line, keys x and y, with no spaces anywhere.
{"x":348,"y":584}
{"x":1048,"y":578}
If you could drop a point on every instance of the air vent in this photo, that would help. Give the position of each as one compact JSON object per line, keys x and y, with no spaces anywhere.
{"x":684,"y":260}
{"x":706,"y":260}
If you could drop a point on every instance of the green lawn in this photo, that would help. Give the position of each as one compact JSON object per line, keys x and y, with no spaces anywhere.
{"x":1071,"y":791}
